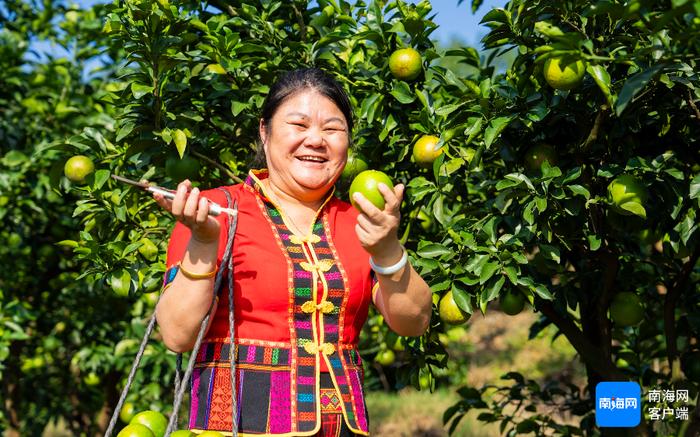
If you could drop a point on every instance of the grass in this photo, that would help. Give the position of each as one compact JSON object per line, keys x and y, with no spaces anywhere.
{"x":490,"y":347}
{"x":412,"y":413}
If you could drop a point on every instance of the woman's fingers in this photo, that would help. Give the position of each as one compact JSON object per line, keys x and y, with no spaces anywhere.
{"x":391,"y":197}
{"x":202,"y":211}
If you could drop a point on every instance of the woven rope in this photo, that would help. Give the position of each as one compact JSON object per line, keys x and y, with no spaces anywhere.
{"x":181,"y":382}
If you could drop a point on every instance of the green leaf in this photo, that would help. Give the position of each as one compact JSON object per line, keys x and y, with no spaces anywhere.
{"x":461,"y":298}
{"x":594,"y":242}
{"x":180,"y":141}
{"x":14,"y":158}
{"x":634,"y":85}
{"x":475,"y":264}
{"x":495,"y":128}
{"x":580,"y":190}
{"x":695,"y":187}
{"x":550,"y":252}
{"x":101,"y":176}
{"x":402,"y":92}
{"x":494,"y":289}
{"x":139,"y":90}
{"x":548,"y":29}
{"x":120,"y":281}
{"x":512,"y":274}
{"x":635,"y":208}
{"x":487,"y":271}
{"x":474,"y":128}
{"x":433,"y":250}
{"x":602,"y":79}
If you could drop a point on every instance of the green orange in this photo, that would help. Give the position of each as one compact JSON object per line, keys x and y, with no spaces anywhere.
{"x":512,"y":302}
{"x":367,"y":183}
{"x":78,"y":168}
{"x":449,"y":312}
{"x":537,"y":155}
{"x":563,"y":73}
{"x":135,"y":430}
{"x":354,"y":165}
{"x":626,"y":189}
{"x":180,"y":169}
{"x":153,"y":420}
{"x":127,"y":412}
{"x":626,"y":309}
{"x":386,"y":357}
{"x":405,"y":64}
{"x":425,"y":150}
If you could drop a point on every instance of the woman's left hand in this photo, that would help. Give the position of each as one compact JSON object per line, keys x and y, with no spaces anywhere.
{"x":378,"y":229}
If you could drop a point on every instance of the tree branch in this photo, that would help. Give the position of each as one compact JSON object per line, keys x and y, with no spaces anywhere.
{"x":670,"y":301}
{"x":588,"y":352}
{"x":692,"y":105}
{"x":219,"y":166}
{"x":593,"y":134}
{"x":224,"y":7}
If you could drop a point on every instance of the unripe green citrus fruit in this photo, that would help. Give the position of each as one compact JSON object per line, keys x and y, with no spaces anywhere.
{"x":626,"y":309}
{"x":537,"y":155}
{"x":425,"y":150}
{"x":92,"y":379}
{"x":148,"y":249}
{"x":78,"y":168}
{"x":626,"y":189}
{"x":354,"y":166}
{"x":512,"y":302}
{"x":135,"y":430}
{"x":183,"y":433}
{"x":210,"y":434}
{"x":405,"y":64}
{"x":564,"y":74}
{"x":127,"y":413}
{"x":367,"y":183}
{"x":386,"y":357}
{"x":180,"y":169}
{"x":153,"y":420}
{"x":450,"y":313}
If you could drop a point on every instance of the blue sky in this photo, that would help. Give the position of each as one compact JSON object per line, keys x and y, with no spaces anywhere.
{"x":459,"y":23}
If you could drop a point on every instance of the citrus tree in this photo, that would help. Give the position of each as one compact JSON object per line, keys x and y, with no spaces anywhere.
{"x":568,"y":180}
{"x":583,"y":198}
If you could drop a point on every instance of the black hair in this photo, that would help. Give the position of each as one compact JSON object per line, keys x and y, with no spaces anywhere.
{"x":292,"y":82}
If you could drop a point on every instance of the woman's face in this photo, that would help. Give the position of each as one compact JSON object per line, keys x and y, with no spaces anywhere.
{"x":307,"y":145}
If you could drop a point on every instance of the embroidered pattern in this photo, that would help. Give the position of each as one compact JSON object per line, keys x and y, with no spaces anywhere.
{"x":330,"y":401}
{"x":278,"y":387}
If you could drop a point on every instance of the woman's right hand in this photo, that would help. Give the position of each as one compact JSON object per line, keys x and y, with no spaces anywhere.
{"x":193,"y":211}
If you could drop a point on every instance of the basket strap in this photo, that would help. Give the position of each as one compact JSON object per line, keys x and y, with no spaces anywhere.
{"x":132,"y":372}
{"x":226,"y":264}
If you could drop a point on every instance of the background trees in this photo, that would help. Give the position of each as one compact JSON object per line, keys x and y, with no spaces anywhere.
{"x":179,"y":94}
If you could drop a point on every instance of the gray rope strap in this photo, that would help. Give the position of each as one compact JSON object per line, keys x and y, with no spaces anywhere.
{"x":181,"y":383}
{"x":130,"y":379}
{"x":227,"y":262}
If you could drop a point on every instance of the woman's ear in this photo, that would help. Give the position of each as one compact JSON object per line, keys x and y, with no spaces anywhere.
{"x":261,"y":131}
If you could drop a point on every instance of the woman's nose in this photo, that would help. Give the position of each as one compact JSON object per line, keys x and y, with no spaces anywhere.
{"x":314,"y":138}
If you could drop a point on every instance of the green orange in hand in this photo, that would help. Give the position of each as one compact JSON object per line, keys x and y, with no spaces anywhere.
{"x":367,"y":183}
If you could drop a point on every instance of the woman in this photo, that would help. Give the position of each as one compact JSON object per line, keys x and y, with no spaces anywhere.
{"x":303,"y":280}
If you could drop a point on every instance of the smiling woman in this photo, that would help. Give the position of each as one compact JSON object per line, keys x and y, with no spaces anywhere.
{"x":306,"y":268}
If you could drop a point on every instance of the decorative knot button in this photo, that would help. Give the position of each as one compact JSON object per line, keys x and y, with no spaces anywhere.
{"x":322,"y":266}
{"x":311,"y":238}
{"x":325,"y":307}
{"x":326,"y":348}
